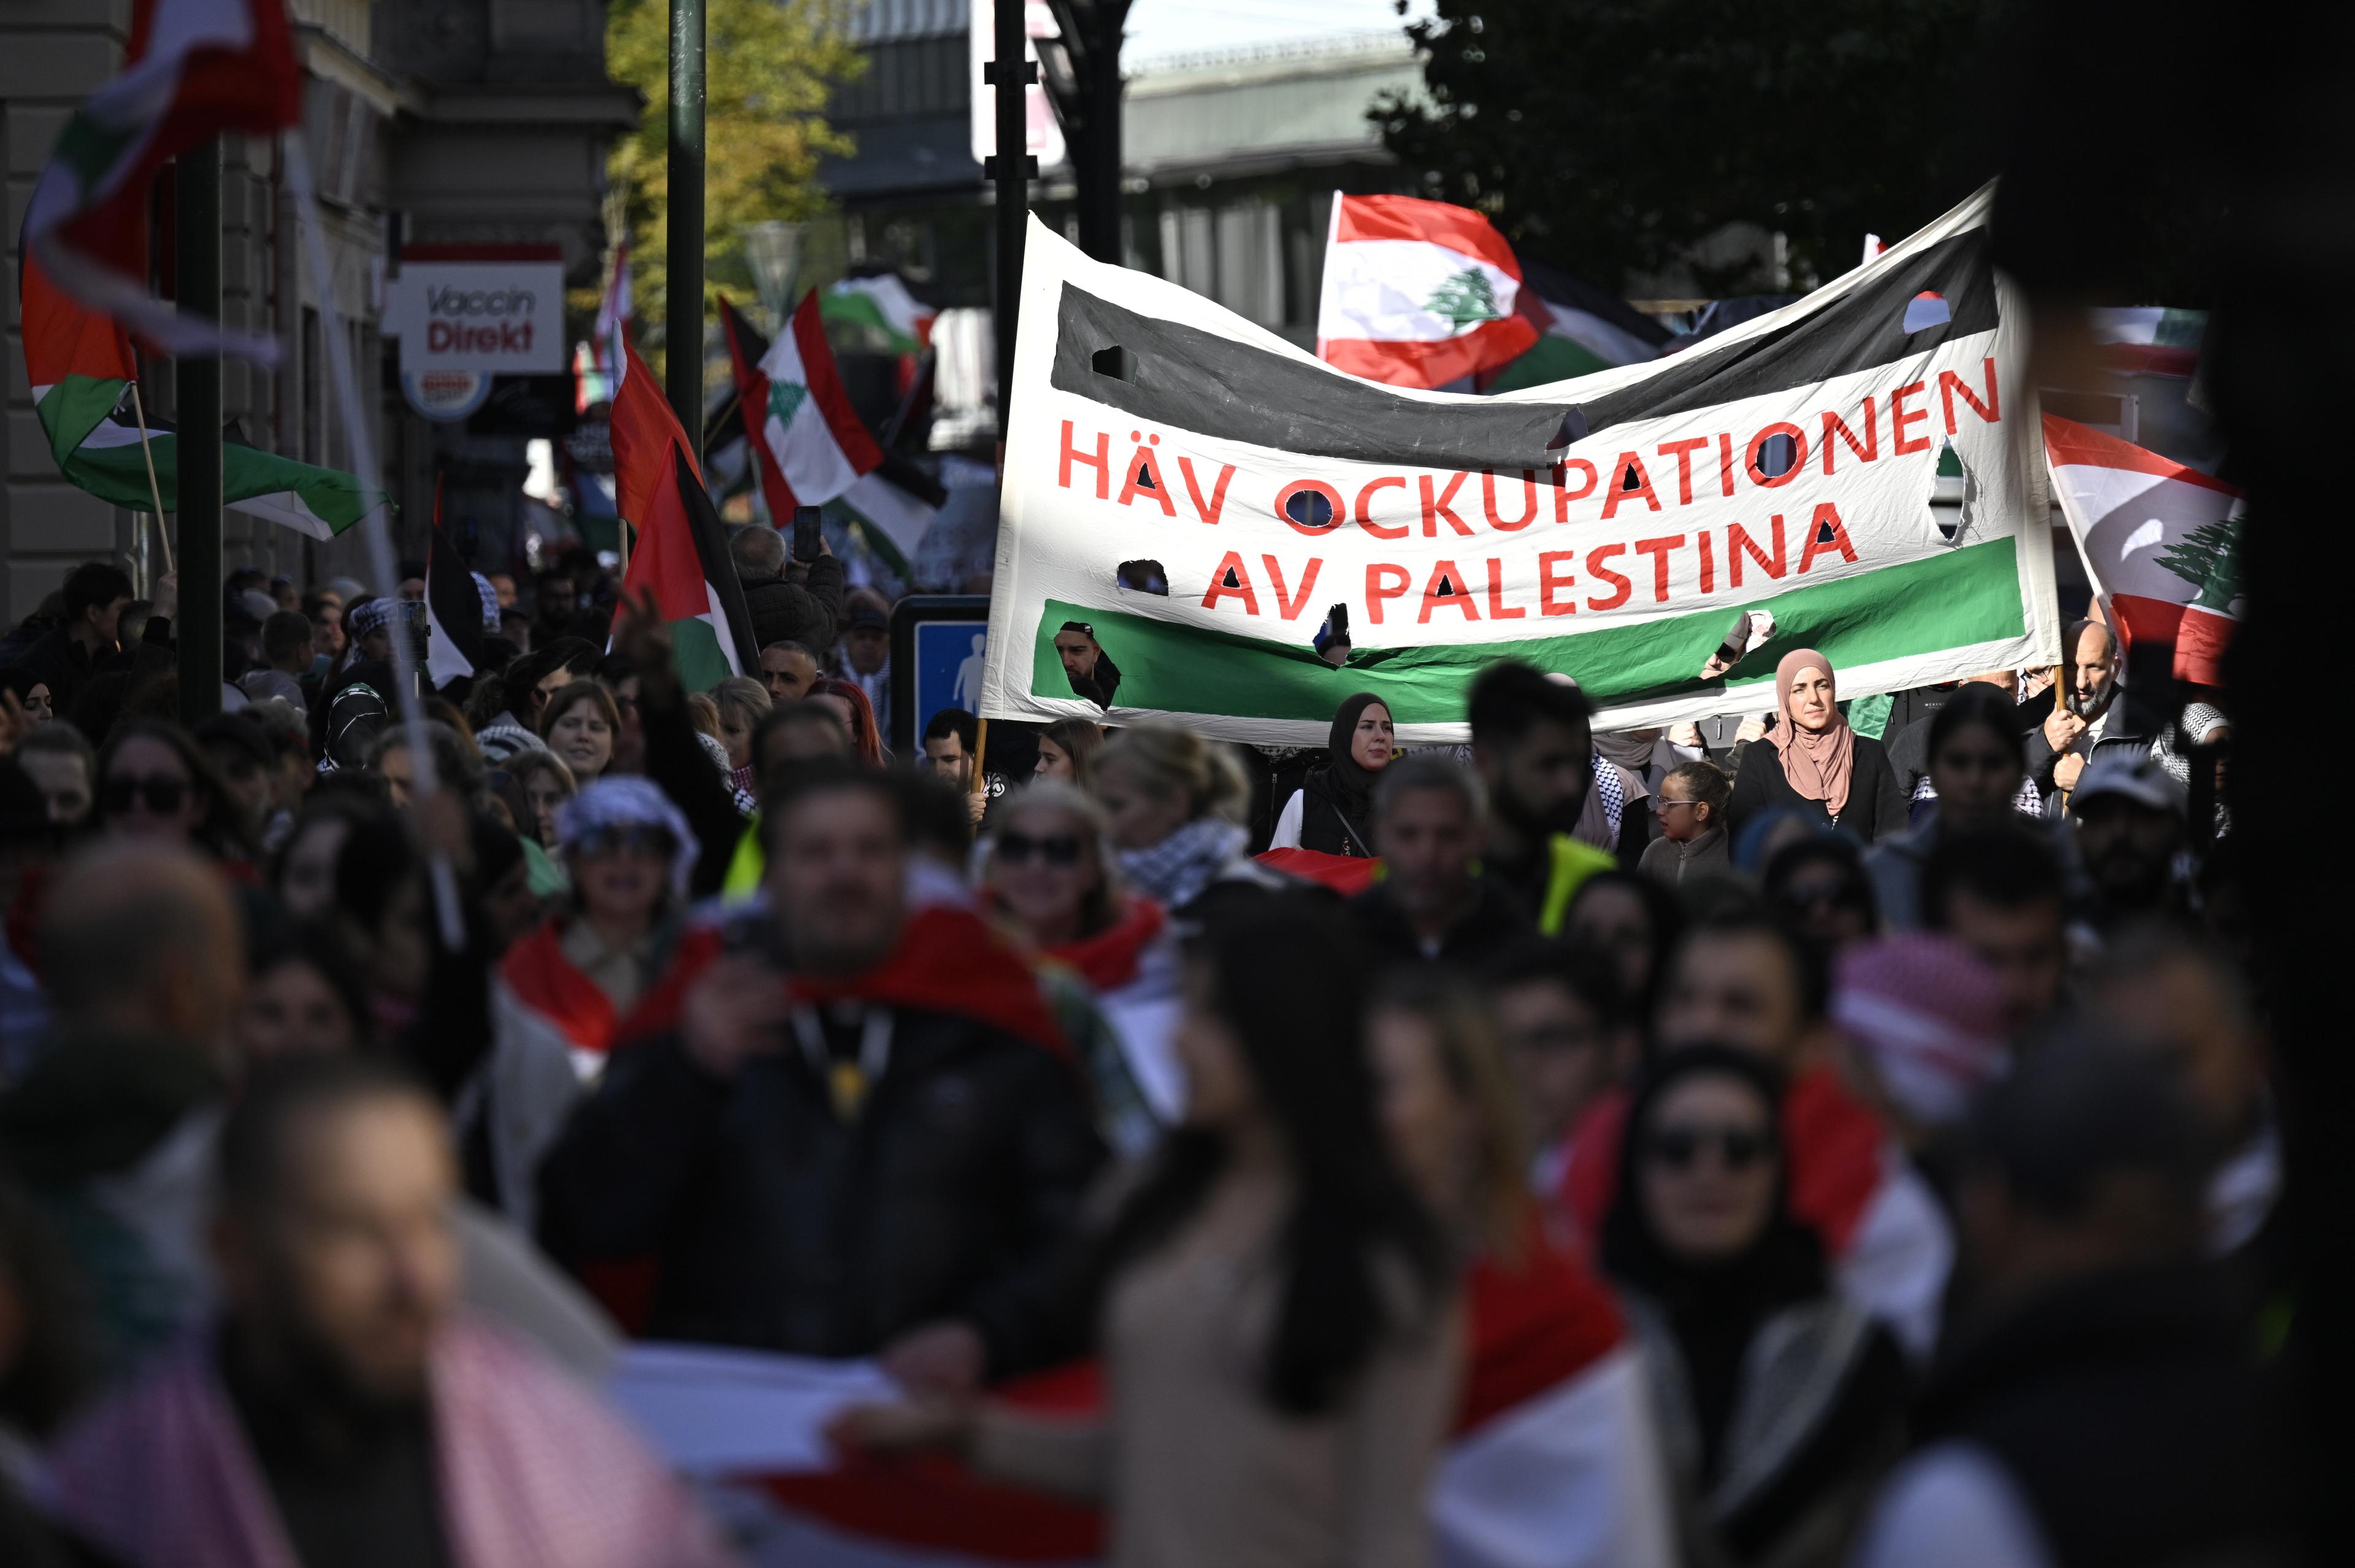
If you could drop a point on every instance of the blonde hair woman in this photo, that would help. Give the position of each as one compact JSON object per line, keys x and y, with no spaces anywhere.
{"x":1175,"y":803}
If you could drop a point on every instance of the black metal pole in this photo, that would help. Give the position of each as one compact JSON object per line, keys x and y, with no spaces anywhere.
{"x":196,"y":385}
{"x":683,"y":315}
{"x":1011,"y":171}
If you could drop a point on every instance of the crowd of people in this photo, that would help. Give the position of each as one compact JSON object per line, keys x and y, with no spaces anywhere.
{"x":1901,"y":1101}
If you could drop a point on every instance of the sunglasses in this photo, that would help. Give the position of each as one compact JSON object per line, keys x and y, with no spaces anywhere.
{"x":1061,"y":849}
{"x":614,"y":840}
{"x":164,"y":795}
{"x":1679,"y":1148}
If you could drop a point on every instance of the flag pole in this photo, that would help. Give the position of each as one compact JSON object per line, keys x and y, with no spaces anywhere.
{"x":377,"y":527}
{"x":196,"y":479}
{"x":154,"y":491}
{"x":682,"y":301}
{"x":980,"y":754}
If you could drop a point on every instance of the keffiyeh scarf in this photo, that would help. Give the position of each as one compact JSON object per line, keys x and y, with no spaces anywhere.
{"x":1176,"y":870}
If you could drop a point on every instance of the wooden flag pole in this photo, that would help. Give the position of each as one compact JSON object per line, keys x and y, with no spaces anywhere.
{"x":980,"y":754}
{"x":154,"y":491}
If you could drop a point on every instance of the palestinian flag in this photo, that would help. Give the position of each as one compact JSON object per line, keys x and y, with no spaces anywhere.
{"x":456,"y":610}
{"x":2150,"y":340}
{"x":80,"y":367}
{"x":806,"y":423}
{"x":1417,"y":294}
{"x":1581,"y":329}
{"x":2160,"y":541}
{"x":1552,"y":1463}
{"x":681,"y":555}
{"x":881,"y":305}
{"x":195,"y":69}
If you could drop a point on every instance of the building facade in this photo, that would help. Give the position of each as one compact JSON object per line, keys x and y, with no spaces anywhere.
{"x":428,"y":121}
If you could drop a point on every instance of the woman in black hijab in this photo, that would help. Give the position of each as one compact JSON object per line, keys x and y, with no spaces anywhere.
{"x":1333,"y":812}
{"x":1779,"y":1402}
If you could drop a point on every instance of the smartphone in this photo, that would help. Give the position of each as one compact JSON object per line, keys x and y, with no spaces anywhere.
{"x":806,"y":533}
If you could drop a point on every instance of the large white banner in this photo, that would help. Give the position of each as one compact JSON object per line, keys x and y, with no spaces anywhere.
{"x":1200,"y":494}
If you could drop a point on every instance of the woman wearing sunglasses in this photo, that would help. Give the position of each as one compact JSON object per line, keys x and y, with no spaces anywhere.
{"x":1051,"y":875}
{"x":565,"y":991}
{"x":1778,"y":1401}
{"x":154,"y":785}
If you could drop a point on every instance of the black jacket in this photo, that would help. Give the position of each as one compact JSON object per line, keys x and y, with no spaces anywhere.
{"x":1876,"y":805}
{"x":779,"y":1227}
{"x":58,"y":661}
{"x":786,"y":612}
{"x":2129,"y":1411}
{"x":1497,"y":917}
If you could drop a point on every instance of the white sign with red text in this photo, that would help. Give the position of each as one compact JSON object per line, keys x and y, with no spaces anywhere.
{"x":496,"y":317}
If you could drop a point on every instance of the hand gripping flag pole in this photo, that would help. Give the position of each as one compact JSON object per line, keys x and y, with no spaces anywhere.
{"x":378,"y":523}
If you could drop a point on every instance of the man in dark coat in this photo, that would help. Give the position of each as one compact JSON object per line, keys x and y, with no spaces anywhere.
{"x":783,"y":611}
{"x":1432,"y":902}
{"x":67,"y":656}
{"x":2106,"y":1406}
{"x":844,"y":1178}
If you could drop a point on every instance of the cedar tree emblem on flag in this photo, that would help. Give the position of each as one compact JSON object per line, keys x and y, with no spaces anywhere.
{"x":1466,"y":299}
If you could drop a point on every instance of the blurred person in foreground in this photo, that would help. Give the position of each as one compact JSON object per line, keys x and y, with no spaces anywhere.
{"x":1275,"y":1309}
{"x":1638,"y":922}
{"x":1820,"y":886}
{"x":2100,"y":1402}
{"x":1432,"y":902}
{"x":1779,"y":1400}
{"x":343,"y":1410}
{"x":1556,"y":1451}
{"x":940,"y":1135}
{"x":144,"y":956}
{"x":1974,"y":762}
{"x":1746,"y":979}
{"x":1051,"y":875}
{"x":1533,"y":747}
{"x":2130,"y":818}
{"x":28,"y":854}
{"x":45,"y":1373}
{"x":2003,"y":893}
{"x":1568,"y":1037}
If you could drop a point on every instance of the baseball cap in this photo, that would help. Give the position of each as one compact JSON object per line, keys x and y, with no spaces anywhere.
{"x":2134,"y":776}
{"x":866,"y":614}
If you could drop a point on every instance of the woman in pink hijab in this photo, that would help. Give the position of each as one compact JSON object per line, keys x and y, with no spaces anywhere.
{"x":1813,"y":764}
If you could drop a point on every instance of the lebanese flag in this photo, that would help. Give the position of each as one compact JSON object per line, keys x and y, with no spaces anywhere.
{"x":682,"y":554}
{"x":1552,"y":1462}
{"x":195,"y":69}
{"x":806,"y":421}
{"x":1417,"y":294}
{"x":1887,"y":1240}
{"x":2160,"y":541}
{"x":746,"y":348}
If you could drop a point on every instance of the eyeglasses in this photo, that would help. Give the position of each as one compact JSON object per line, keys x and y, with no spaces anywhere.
{"x":639,"y":837}
{"x":164,"y":795}
{"x":1664,"y":801}
{"x":1061,"y":849}
{"x":1679,"y":1148}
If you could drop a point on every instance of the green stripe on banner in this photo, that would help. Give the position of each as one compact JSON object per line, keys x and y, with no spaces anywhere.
{"x":1949,"y":601}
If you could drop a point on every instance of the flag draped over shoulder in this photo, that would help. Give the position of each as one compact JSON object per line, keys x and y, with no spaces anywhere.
{"x":2160,"y":539}
{"x":681,"y":557}
{"x":1204,"y":497}
{"x":79,"y":365}
{"x":194,"y":69}
{"x":1417,"y":294}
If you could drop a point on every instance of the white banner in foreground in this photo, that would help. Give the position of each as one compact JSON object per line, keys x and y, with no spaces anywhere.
{"x":1199,"y":495}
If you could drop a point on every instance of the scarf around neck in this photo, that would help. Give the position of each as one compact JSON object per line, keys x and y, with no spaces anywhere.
{"x":1177,"y":870}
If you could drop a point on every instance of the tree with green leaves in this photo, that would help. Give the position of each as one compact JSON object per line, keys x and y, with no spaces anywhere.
{"x":1611,"y":136}
{"x":771,"y":67}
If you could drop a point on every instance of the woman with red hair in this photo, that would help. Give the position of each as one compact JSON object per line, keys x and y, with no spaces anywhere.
{"x":857,"y":716}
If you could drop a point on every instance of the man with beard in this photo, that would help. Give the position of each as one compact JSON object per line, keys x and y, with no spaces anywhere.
{"x":1086,"y":666}
{"x":2090,"y":721}
{"x":1533,"y":747}
{"x":2130,"y":824}
{"x":841,"y":1149}
{"x":343,"y":1412}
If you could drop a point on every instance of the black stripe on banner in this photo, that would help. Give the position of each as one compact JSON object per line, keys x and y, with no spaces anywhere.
{"x":1182,"y":376}
{"x":1179,"y":376}
{"x":1859,"y":331}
